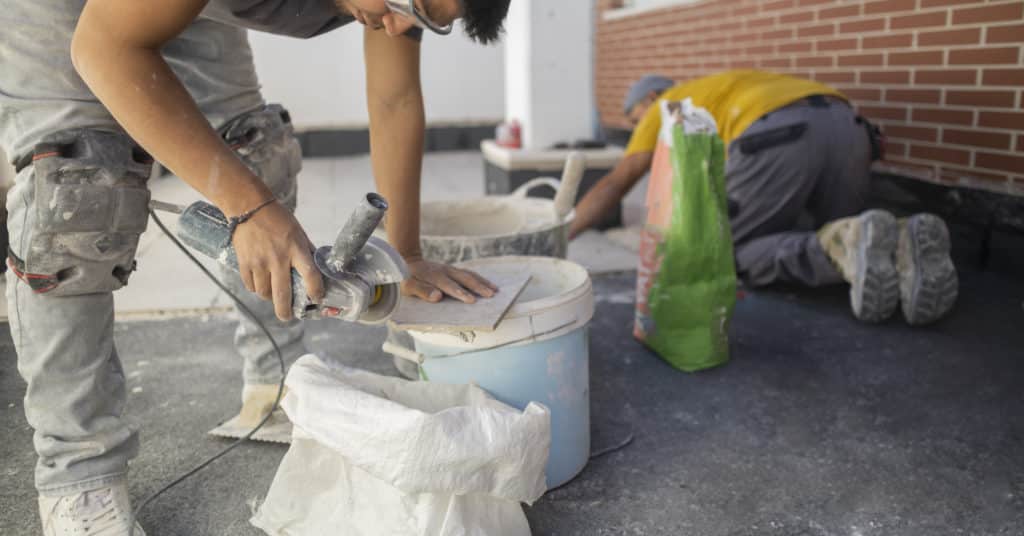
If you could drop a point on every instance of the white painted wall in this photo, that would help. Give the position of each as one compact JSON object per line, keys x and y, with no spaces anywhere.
{"x":518,"y":74}
{"x":322,"y":81}
{"x":549,"y":70}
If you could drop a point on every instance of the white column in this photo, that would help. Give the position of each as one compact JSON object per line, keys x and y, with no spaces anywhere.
{"x":549,"y":70}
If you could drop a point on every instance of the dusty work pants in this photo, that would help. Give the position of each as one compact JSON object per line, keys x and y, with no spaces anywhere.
{"x":787,"y":185}
{"x":76,"y":387}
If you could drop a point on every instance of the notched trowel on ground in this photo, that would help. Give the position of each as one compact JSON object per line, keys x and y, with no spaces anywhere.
{"x":362,"y":274}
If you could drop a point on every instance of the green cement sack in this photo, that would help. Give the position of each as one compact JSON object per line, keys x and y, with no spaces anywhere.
{"x":686,"y":281}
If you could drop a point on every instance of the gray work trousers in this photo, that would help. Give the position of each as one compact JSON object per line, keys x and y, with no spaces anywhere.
{"x":787,"y":190}
{"x":76,"y":387}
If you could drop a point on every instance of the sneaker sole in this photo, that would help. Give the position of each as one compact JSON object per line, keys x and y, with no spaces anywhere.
{"x":874,"y":291}
{"x":928,"y":279}
{"x":277,"y":430}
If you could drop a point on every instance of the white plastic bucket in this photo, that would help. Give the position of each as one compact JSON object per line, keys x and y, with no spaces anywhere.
{"x":460,"y":230}
{"x":538,"y":353}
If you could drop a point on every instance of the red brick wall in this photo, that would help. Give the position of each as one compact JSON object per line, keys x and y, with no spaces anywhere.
{"x":943,"y":77}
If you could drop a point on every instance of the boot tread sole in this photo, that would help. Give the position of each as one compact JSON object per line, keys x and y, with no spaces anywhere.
{"x":874,"y":292}
{"x":928,"y":279}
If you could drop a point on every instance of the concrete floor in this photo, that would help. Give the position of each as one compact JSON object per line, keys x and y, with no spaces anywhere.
{"x":818,"y":426}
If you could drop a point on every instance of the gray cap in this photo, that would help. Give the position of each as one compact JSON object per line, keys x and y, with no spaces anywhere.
{"x":643,"y":87}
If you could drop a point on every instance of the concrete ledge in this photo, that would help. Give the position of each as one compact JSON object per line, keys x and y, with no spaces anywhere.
{"x":546,"y":159}
{"x":506,"y":169}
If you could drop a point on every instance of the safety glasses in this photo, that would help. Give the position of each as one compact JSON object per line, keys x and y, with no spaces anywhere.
{"x":407,"y":8}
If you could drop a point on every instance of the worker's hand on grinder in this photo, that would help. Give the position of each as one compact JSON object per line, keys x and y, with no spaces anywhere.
{"x":268,"y":246}
{"x":431,"y":281}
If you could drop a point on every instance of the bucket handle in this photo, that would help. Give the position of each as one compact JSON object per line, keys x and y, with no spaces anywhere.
{"x":565,"y":189}
{"x":531,"y":184}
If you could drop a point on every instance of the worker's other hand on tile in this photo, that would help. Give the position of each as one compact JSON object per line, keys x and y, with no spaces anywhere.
{"x":431,"y":281}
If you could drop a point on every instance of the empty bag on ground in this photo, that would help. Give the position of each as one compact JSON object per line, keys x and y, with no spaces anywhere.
{"x":372,"y":454}
{"x":686,"y":281}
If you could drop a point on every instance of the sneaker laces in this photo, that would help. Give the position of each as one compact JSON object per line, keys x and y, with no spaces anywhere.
{"x":98,"y":513}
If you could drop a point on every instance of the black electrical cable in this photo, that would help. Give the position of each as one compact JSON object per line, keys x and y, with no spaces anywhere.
{"x":280,"y":388}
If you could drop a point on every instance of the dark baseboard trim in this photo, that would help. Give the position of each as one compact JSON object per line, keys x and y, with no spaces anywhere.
{"x":987,"y":228}
{"x":967,"y":205}
{"x":347,"y":142}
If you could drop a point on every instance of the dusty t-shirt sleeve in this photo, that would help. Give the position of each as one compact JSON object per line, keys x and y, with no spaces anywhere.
{"x":645,"y":136}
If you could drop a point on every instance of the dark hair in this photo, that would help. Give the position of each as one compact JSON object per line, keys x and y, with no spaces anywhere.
{"x":483,"y":19}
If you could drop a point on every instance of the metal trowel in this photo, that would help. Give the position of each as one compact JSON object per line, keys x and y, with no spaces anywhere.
{"x":569,"y":185}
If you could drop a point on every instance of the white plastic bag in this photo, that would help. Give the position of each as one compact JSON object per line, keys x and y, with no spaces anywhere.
{"x":374,"y":455}
{"x":694,"y":119}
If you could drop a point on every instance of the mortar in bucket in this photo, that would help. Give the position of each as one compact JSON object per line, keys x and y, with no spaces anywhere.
{"x":455,"y":231}
{"x":538,"y":352}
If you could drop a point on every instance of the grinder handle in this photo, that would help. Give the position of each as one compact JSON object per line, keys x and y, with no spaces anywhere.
{"x":357,"y":230}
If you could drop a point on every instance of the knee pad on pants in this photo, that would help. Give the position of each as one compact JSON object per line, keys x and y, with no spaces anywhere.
{"x":265,"y":140}
{"x":90,"y":204}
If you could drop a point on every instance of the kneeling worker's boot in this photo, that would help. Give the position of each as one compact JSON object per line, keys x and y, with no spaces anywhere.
{"x":257,"y":401}
{"x":863,"y":249}
{"x":101,"y":512}
{"x":928,"y":281}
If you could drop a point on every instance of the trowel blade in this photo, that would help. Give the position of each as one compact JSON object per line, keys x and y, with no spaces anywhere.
{"x":277,"y":430}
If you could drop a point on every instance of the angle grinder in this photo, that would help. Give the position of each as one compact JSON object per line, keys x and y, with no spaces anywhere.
{"x":361,"y":272}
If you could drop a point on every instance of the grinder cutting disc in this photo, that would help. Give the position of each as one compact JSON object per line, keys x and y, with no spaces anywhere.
{"x":387,"y":300}
{"x":378,"y":266}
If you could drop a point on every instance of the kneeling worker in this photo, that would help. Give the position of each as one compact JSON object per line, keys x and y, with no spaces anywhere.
{"x":797,"y":175}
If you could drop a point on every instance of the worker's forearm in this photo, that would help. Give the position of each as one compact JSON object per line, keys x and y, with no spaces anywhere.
{"x":602,"y":198}
{"x":396,"y":148}
{"x":148,"y":100}
{"x":605,"y":196}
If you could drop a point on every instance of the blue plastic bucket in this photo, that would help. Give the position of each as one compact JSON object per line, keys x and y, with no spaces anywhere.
{"x":538,"y":353}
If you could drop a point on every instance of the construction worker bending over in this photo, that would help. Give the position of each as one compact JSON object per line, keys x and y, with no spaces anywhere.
{"x":797,"y":176}
{"x":84,"y":88}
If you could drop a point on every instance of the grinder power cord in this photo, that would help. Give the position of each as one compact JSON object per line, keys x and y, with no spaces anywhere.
{"x":362,"y":275}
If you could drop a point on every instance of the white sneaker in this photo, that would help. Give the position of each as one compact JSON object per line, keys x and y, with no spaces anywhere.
{"x":101,"y":512}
